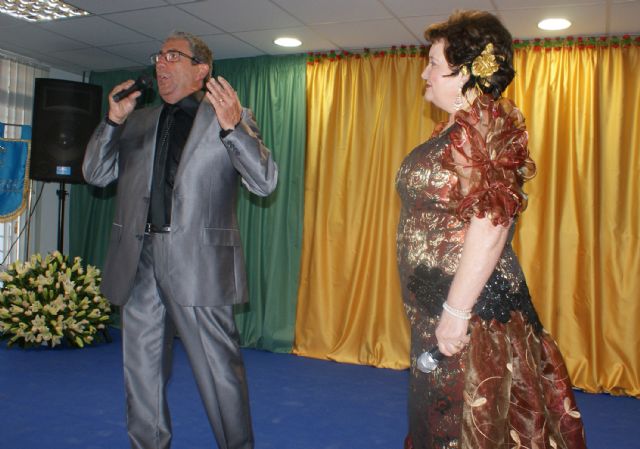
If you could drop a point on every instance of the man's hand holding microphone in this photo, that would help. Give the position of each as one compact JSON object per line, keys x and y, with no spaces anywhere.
{"x":122,"y":98}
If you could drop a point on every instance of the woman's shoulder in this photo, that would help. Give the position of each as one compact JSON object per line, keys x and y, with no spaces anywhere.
{"x":487,"y":111}
{"x":490,"y":155}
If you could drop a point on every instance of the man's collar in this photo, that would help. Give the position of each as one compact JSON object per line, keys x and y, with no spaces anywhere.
{"x":190,"y":103}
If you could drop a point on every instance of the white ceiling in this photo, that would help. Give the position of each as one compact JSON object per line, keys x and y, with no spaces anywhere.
{"x":123,"y":33}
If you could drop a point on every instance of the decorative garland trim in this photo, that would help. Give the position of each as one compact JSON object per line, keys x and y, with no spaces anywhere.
{"x":538,"y":44}
{"x":579,"y":42}
{"x":402,"y":51}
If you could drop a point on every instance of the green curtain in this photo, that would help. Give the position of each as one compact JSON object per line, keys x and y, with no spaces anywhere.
{"x":271,"y":228}
{"x":274,"y":88}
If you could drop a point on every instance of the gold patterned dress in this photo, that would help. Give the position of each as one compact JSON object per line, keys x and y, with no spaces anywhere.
{"x":509,"y":387}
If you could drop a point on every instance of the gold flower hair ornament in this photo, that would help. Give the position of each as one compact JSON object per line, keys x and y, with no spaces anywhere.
{"x":483,"y":66}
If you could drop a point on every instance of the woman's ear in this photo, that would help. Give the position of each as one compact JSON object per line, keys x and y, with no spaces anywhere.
{"x":463,"y":74}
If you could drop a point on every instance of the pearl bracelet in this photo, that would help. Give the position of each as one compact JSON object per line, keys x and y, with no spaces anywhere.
{"x":463,"y":314}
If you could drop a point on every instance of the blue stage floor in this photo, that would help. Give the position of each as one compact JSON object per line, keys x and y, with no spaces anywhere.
{"x":66,"y":399}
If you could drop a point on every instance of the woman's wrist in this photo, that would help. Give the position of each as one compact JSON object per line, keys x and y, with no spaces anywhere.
{"x":463,"y":314}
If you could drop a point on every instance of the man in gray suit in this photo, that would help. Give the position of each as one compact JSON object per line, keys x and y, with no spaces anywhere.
{"x":174,"y":261}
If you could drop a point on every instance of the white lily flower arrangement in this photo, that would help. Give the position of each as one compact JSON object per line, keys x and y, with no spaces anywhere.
{"x":52,"y":301}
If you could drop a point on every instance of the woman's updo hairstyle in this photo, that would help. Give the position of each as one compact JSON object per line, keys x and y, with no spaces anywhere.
{"x":466,"y":35}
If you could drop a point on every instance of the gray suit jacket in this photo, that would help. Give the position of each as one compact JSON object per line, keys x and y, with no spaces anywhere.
{"x":205,"y":250}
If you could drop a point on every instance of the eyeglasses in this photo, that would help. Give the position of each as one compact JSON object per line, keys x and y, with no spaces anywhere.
{"x":173,"y":56}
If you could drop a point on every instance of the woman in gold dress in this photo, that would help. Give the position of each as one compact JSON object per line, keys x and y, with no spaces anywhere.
{"x":503,"y":382}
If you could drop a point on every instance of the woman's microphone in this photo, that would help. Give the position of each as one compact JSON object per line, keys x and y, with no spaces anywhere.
{"x":143,"y":82}
{"x":428,"y":360}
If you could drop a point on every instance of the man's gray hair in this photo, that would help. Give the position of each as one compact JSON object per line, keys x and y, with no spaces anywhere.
{"x":199,"y":48}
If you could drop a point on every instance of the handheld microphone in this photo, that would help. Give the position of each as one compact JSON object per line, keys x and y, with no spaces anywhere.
{"x":143,"y":82}
{"x":428,"y":360}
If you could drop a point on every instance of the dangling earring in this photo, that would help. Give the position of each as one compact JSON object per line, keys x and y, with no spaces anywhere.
{"x":458,"y":102}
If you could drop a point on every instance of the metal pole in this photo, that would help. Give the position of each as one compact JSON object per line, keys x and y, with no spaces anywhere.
{"x":62,"y":193}
{"x":28,"y":218}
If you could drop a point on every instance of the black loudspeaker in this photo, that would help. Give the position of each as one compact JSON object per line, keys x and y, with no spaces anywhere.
{"x":65,"y":113}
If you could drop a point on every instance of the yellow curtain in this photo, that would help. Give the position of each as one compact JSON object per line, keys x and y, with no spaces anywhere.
{"x":578,"y":241}
{"x":363,"y":114}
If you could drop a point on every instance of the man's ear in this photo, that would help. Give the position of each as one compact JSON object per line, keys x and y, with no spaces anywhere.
{"x":203,"y":71}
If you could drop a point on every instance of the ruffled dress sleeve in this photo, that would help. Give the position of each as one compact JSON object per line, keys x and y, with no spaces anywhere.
{"x":489,"y":156}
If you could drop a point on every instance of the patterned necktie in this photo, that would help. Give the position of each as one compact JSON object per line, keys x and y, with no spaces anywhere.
{"x":158,"y":212}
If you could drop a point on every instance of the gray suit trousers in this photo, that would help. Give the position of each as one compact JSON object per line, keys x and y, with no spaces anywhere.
{"x":150,"y":320}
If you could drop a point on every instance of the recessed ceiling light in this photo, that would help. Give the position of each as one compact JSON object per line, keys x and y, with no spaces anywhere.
{"x":554,"y":24}
{"x":288,"y":42}
{"x":40,"y":10}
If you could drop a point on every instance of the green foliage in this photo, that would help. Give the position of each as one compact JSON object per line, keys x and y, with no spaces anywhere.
{"x":50,"y":302}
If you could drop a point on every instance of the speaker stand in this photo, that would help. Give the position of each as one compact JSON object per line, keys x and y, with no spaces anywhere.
{"x":62,"y":195}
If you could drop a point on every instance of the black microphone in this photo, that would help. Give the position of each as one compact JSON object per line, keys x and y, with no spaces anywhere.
{"x":143,"y":82}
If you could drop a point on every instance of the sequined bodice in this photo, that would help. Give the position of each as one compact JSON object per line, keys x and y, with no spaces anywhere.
{"x":429,"y":231}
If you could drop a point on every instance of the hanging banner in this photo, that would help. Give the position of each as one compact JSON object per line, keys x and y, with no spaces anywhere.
{"x":14,"y":173}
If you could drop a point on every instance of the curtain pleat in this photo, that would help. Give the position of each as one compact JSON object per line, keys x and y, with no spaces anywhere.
{"x":271,"y":227}
{"x":579,"y":240}
{"x":17,"y":81}
{"x":363,"y":116}
{"x":16,"y":92}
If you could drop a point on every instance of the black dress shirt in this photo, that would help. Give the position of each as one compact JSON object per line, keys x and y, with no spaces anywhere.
{"x":167,"y":156}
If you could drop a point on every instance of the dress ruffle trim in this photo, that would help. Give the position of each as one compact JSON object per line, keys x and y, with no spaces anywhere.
{"x":488,"y":152}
